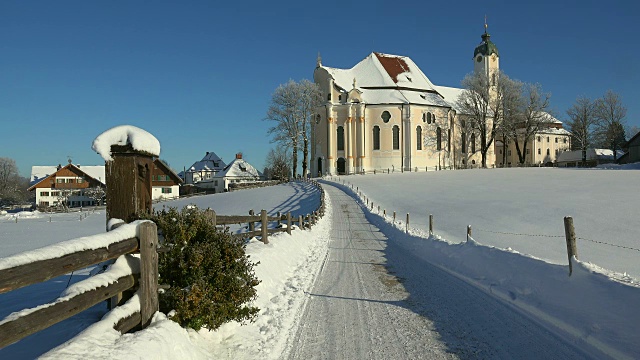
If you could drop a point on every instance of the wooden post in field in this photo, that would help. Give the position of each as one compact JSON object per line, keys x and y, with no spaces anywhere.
{"x":252,"y":226}
{"x":468,"y":232}
{"x":570,"y":234}
{"x":406,"y":229}
{"x":300,"y":223}
{"x":148,"y":272}
{"x":384,"y":213}
{"x":128,"y":180}
{"x":430,"y":224}
{"x":289,"y":223}
{"x":263,"y":215}
{"x":394,"y":217}
{"x":279,"y":218}
{"x":211,"y":215}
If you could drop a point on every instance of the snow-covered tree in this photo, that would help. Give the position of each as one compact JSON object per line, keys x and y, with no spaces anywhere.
{"x":96,"y":193}
{"x":13,"y":187}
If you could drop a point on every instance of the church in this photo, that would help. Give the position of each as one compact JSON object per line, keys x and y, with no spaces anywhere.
{"x":385,"y":114}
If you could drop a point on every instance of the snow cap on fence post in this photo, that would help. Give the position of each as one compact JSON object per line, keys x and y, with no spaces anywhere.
{"x":128,"y":152}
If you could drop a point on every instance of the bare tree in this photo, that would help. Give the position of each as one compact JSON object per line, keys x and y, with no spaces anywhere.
{"x":610,"y":116}
{"x":95,"y":193}
{"x":437,"y":140}
{"x":534,"y":116}
{"x":13,"y":187}
{"x":581,"y":124}
{"x":310,"y":99}
{"x":511,"y":113}
{"x":482,"y":103}
{"x":277,"y":164}
{"x":292,"y":108}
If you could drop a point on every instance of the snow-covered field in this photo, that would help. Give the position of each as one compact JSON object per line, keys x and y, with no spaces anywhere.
{"x":596,"y":308}
{"x":521,"y":209}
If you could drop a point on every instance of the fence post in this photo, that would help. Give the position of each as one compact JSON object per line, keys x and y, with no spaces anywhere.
{"x":148,"y":272}
{"x":263,"y":215}
{"x":406,"y":228}
{"x":384,"y":213}
{"x":279,"y":218}
{"x":468,"y":232}
{"x":252,"y":226}
{"x":211,"y":215}
{"x":570,"y":234}
{"x":430,"y":224}
{"x":300,"y":223}
{"x":394,"y":217}
{"x":289,"y":223}
{"x":128,"y":180}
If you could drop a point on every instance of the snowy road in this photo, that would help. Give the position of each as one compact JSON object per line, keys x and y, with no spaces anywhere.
{"x":374,"y":300}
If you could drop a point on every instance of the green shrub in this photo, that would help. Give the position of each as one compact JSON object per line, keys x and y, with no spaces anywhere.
{"x":211,"y":277}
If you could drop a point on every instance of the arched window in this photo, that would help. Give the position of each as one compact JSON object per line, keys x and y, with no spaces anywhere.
{"x":340,"y":138}
{"x":376,"y":137}
{"x":396,"y":137}
{"x":433,"y":118}
{"x":428,"y":118}
{"x":449,"y":140}
{"x":419,"y":138}
{"x":548,"y":152}
{"x":473,"y":143}
{"x":439,"y":138}
{"x":385,"y":116}
{"x":464,"y":142}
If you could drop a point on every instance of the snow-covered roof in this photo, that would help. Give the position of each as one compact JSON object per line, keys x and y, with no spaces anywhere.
{"x":592,"y":154}
{"x":450,"y":95}
{"x":39,"y":173}
{"x":139,"y":139}
{"x":239,"y":168}
{"x":210,"y":162}
{"x":388,"y":79}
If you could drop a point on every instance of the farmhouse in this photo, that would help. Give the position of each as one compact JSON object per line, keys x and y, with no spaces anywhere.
{"x":57,"y":185}
{"x":385,"y":113}
{"x":202,"y":171}
{"x":594,"y":157}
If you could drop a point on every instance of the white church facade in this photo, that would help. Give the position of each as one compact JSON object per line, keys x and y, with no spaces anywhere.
{"x":385,"y":114}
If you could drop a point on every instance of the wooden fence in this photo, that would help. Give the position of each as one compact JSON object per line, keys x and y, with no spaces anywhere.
{"x":303,"y":221}
{"x":14,"y":328}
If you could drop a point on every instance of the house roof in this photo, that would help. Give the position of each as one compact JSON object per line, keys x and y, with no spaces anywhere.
{"x":168,"y":170}
{"x":388,"y":79}
{"x":592,"y":154}
{"x":208,"y":163}
{"x":239,"y":168}
{"x":40,"y":173}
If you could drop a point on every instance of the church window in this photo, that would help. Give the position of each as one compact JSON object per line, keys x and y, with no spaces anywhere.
{"x":508,"y":152}
{"x":396,"y":137}
{"x":473,"y":143}
{"x":418,"y":138}
{"x":528,"y":151}
{"x":385,"y":116}
{"x":539,"y":151}
{"x":449,"y":140}
{"x":556,"y":140}
{"x":500,"y":152}
{"x":376,"y":138}
{"x":329,"y":97}
{"x":464,"y":142}
{"x":340,"y":138}
{"x":548,"y":139}
{"x":548,"y":152}
{"x":539,"y":139}
{"x":439,"y":138}
{"x":428,"y":118}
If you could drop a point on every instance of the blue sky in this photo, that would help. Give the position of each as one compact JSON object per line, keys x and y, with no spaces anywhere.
{"x":199,"y":74}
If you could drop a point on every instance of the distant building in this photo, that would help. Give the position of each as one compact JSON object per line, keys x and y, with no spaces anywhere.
{"x":165,"y":182}
{"x":595,"y":157}
{"x":58,"y":185}
{"x":203,"y":171}
{"x":543,"y":148}
{"x":633,"y":154}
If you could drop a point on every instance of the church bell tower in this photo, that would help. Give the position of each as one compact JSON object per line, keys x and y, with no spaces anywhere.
{"x":486,"y":58}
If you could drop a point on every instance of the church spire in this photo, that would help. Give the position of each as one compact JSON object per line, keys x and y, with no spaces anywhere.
{"x":319,"y":60}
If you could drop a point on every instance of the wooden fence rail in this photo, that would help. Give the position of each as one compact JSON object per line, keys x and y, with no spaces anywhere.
{"x":14,"y":328}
